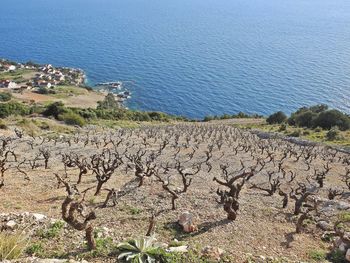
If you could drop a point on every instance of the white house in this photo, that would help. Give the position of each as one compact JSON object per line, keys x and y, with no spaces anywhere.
{"x":12,"y":85}
{"x":12,"y":68}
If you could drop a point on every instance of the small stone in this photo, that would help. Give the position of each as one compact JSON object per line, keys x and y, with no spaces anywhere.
{"x":187,"y":222}
{"x":179,"y":249}
{"x":11,"y":224}
{"x":325,"y":226}
{"x":347,"y":255}
{"x":39,"y":217}
{"x":342,"y":247}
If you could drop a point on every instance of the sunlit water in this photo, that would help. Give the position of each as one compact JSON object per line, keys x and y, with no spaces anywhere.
{"x":193,"y":57}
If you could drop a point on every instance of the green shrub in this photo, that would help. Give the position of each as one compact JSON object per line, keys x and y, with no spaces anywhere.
{"x":5,"y":96}
{"x":344,"y":216}
{"x":208,"y":118}
{"x":330,"y":118}
{"x":11,"y":246}
{"x":336,"y":256}
{"x":55,"y":109}
{"x":276,"y":118}
{"x":44,"y":90}
{"x":13,"y":108}
{"x":35,"y":249}
{"x":295,"y":133}
{"x":283,"y":127}
{"x":53,"y":230}
{"x":138,"y":250}
{"x":72,"y":118}
{"x":305,"y":119}
{"x":3,"y":126}
{"x":318,"y":255}
{"x":332,"y":134}
{"x":306,"y":132}
{"x":109,"y":102}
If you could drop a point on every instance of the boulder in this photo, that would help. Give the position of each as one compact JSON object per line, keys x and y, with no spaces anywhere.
{"x":186,"y":220}
{"x":39,"y":217}
{"x":325,"y":226}
{"x":179,"y":249}
{"x":11,"y":224}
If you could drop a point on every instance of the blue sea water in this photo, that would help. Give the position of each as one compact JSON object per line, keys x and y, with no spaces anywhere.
{"x":193,"y":57}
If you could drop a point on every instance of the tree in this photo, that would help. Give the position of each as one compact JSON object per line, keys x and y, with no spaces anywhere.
{"x":330,"y":118}
{"x":109,"y":102}
{"x":55,"y":109}
{"x":277,"y":117}
{"x":305,"y":118}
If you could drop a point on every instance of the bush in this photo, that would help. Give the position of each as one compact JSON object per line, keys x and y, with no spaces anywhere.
{"x":283,"y":127}
{"x":332,"y":134}
{"x":72,"y":118}
{"x":277,"y":117}
{"x":208,"y":118}
{"x":138,"y":250}
{"x":13,"y":108}
{"x":318,"y":255}
{"x":3,"y":126}
{"x":55,"y":109}
{"x":330,"y":118}
{"x":305,"y":119}
{"x":35,"y":249}
{"x":336,"y":256}
{"x":109,"y":102}
{"x":4,"y":96}
{"x":295,"y":133}
{"x":11,"y":246}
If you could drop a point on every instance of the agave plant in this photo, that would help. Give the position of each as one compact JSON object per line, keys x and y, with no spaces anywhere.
{"x":138,"y":250}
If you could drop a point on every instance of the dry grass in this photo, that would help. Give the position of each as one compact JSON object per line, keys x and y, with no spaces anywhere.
{"x":12,"y":245}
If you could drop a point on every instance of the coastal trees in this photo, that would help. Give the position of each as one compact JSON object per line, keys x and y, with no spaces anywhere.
{"x":277,"y":118}
{"x":109,"y":102}
{"x":330,"y":118}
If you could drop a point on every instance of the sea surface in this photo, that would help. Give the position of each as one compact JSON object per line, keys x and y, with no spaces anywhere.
{"x":193,"y":57}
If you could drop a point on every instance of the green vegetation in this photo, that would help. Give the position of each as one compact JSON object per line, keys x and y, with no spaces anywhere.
{"x":109,"y":102}
{"x":344,"y":217}
{"x":18,"y":75}
{"x":11,"y":246}
{"x":277,"y":118}
{"x":313,"y":117}
{"x":53,"y":231}
{"x":35,"y":249}
{"x":316,"y":123}
{"x":240,"y":115}
{"x":318,"y":255}
{"x":336,"y":256}
{"x":138,"y":250}
{"x":333,"y":134}
{"x":13,"y":108}
{"x":5,"y":96}
{"x":104,"y":248}
{"x":71,"y":118}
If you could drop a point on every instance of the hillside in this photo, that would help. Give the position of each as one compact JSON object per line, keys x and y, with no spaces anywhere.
{"x":242,"y":193}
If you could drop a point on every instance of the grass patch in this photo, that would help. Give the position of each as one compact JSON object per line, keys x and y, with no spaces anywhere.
{"x":53,"y":231}
{"x":11,"y":246}
{"x":318,"y":255}
{"x":316,"y":135}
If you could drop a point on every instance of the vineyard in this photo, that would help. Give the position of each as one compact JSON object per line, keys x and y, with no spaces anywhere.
{"x":257,"y":199}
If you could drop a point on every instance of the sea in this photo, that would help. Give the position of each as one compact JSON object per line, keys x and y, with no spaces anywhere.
{"x":193,"y":57}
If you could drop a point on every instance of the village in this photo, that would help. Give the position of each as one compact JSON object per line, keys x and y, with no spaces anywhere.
{"x":18,"y":77}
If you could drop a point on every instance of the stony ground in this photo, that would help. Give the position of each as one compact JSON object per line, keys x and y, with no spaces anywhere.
{"x":261,"y":230}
